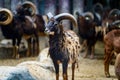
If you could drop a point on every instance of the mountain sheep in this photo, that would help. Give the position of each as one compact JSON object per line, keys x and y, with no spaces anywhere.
{"x":64,"y":44}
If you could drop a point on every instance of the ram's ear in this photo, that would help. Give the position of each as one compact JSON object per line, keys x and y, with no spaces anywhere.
{"x":49,"y":15}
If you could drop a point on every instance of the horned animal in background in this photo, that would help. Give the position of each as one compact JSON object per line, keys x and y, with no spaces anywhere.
{"x":15,"y":27}
{"x":64,"y":45}
{"x":111,"y":18}
{"x":86,"y":31}
{"x":29,"y":9}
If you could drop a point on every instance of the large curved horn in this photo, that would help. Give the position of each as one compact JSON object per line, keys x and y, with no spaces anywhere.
{"x":117,"y":22}
{"x":29,"y":4}
{"x":113,"y":12}
{"x":63,"y":16}
{"x":89,"y":14}
{"x":6,"y":15}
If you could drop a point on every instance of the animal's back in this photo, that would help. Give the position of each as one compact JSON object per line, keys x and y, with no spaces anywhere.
{"x":65,"y":47}
{"x":72,"y":44}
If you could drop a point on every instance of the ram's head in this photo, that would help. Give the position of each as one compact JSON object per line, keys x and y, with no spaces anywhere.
{"x":114,"y":14}
{"x":55,"y":22}
{"x":29,"y":7}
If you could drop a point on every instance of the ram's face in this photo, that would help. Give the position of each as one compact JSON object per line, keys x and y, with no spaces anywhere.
{"x":50,"y":27}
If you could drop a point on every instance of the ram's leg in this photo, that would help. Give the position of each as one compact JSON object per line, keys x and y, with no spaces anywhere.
{"x":92,"y":52}
{"x":73,"y":70}
{"x":14,"y":52}
{"x":108,"y":58}
{"x":56,"y":65}
{"x":32,"y":46}
{"x":86,"y":52}
{"x":36,"y":46}
{"x":65,"y":66}
{"x":15,"y":49}
{"x":17,"y":52}
{"x":83,"y":45}
{"x":29,"y":51}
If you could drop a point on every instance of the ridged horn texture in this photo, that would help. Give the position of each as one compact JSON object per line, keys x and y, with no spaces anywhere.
{"x":89,"y":14}
{"x":64,"y":16}
{"x":114,"y":12}
{"x":28,"y":4}
{"x":117,"y":22}
{"x":8,"y":16}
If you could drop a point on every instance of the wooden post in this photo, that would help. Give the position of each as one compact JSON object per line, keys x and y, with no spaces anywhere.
{"x":2,"y":3}
{"x":50,"y":6}
{"x":78,"y":5}
{"x":64,"y":8}
{"x":40,"y":6}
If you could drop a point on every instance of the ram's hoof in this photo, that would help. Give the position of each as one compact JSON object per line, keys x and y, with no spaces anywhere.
{"x":107,"y":75}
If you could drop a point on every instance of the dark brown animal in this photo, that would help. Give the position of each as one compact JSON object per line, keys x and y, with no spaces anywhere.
{"x":29,"y":8}
{"x":112,"y":45}
{"x":15,"y":27}
{"x":86,"y":31}
{"x":111,"y":25}
{"x":40,"y":20}
{"x":64,"y":45}
{"x":111,"y":37}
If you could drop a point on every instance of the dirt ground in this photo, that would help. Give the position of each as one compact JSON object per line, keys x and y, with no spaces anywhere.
{"x":89,"y":69}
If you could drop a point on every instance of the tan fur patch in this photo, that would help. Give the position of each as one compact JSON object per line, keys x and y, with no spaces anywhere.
{"x":72,"y":44}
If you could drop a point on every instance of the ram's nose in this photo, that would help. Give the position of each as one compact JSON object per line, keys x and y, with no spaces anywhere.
{"x":47,"y":31}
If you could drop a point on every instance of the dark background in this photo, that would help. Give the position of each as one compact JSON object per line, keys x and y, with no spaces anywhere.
{"x":58,"y":6}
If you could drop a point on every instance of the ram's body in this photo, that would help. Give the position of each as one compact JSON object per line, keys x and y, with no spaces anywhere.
{"x":39,"y":20}
{"x":64,"y":45}
{"x":111,"y":37}
{"x":112,"y":46}
{"x":15,"y":28}
{"x":87,"y":33}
